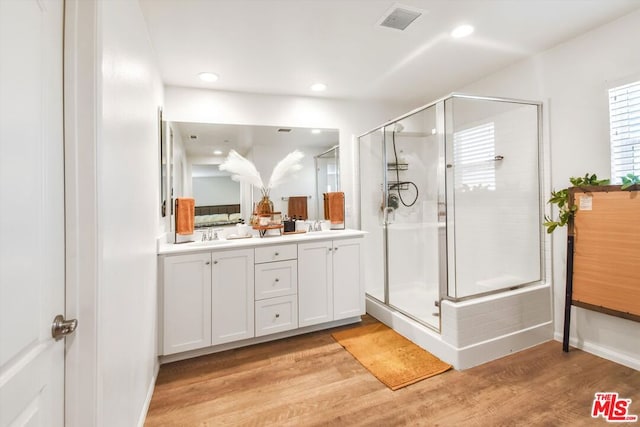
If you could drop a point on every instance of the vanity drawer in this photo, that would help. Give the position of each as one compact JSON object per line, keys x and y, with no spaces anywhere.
{"x":276,"y":253}
{"x":276,"y":315}
{"x":276,"y":279}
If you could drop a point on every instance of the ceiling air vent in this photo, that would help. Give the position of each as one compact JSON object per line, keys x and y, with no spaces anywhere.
{"x":399,"y":18}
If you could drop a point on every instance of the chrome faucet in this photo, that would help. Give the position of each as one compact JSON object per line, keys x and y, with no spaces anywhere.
{"x":208,"y":235}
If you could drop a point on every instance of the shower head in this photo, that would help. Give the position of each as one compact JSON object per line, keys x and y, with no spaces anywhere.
{"x":397,"y":128}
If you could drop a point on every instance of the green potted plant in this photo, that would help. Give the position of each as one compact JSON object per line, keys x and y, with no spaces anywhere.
{"x":561,"y":199}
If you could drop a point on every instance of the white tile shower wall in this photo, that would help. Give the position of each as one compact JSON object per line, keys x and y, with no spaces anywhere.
{"x":475,"y":321}
{"x":413,"y":238}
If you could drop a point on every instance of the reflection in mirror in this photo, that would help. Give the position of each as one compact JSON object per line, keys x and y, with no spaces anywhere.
{"x":198,"y":149}
{"x":327,"y":176}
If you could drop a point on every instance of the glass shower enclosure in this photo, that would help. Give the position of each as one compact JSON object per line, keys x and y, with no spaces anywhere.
{"x":451,"y":197}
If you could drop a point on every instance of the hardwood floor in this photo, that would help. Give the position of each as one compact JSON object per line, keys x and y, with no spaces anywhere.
{"x":310,"y":380}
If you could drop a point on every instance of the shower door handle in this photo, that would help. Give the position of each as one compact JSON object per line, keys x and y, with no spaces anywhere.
{"x":387,"y":211}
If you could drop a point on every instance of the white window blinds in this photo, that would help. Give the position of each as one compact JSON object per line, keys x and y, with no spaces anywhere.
{"x":624,"y":116}
{"x":474,"y":151}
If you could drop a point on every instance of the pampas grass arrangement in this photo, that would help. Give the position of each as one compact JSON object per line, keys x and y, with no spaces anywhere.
{"x":244,"y":171}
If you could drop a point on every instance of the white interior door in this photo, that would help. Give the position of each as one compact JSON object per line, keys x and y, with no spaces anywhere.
{"x":31,"y":212}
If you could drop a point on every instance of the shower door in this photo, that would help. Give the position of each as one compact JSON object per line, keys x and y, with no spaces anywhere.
{"x":493,"y":176}
{"x":403,"y":209}
{"x":415,"y":215}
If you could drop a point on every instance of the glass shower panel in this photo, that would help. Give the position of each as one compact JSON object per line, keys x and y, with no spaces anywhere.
{"x":372,"y":199}
{"x":413,"y":150}
{"x":493,"y":182}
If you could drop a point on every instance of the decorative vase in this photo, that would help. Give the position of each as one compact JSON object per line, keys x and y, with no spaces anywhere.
{"x":264,"y":206}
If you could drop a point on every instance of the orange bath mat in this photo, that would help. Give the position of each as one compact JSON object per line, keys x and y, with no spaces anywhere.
{"x":389,"y":356}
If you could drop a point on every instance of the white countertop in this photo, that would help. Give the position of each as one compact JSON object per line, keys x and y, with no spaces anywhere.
{"x":171,"y":248}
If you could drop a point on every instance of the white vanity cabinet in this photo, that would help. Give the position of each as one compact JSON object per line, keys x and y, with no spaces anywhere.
{"x":348,"y":289}
{"x":207,"y":299}
{"x":237,"y":293}
{"x":232,"y":295}
{"x":276,"y":305}
{"x":329,"y":281}
{"x":186,"y":302}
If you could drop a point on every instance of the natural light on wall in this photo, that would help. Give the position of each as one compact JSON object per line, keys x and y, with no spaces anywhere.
{"x":624,"y":115}
{"x":474,"y":151}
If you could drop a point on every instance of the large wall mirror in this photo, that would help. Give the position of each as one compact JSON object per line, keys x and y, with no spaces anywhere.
{"x":197,"y":149}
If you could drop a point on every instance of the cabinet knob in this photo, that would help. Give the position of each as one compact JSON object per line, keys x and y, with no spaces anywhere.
{"x":330,"y":249}
{"x":277,"y":315}
{"x":277,"y":253}
{"x":215,"y":262}
{"x":277,"y":280}
{"x":335,"y":249}
{"x":207,"y":263}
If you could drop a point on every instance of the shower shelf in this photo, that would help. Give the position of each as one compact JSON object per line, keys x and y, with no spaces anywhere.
{"x":393,"y":185}
{"x":397,"y":166}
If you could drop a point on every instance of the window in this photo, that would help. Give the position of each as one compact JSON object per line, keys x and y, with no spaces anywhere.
{"x":624,"y":116}
{"x":473,"y":152}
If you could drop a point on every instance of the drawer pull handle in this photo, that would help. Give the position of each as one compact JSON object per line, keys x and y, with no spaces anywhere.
{"x":277,"y":315}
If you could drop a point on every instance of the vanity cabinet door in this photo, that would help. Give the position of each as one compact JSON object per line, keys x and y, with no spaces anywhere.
{"x":232,"y":297}
{"x":348,"y":292}
{"x":186,"y":296}
{"x":315,"y":290}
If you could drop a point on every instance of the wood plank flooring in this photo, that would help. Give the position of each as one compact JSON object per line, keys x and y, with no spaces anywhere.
{"x":310,"y":380}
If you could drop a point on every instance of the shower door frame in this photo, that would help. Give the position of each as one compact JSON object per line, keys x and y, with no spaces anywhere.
{"x":451,"y":242}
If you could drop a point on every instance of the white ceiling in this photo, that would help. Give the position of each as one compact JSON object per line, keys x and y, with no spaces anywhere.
{"x":223,"y":137}
{"x":283,"y":46}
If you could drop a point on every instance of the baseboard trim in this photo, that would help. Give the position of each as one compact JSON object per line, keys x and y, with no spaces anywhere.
{"x":244,"y":343}
{"x":147,"y":401}
{"x":505,"y":345}
{"x":605,"y":353}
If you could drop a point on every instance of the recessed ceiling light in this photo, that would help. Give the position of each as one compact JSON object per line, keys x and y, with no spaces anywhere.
{"x":208,"y":77}
{"x":217,"y":152}
{"x":316,"y":131}
{"x":462,"y":31}
{"x":318,"y":87}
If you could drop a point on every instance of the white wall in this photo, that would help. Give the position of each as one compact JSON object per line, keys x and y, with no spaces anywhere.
{"x":129,"y":94}
{"x":572,"y":79}
{"x":215,"y":190}
{"x":350,"y":117}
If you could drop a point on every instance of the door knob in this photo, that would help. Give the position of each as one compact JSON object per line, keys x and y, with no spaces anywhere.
{"x":61,"y":328}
